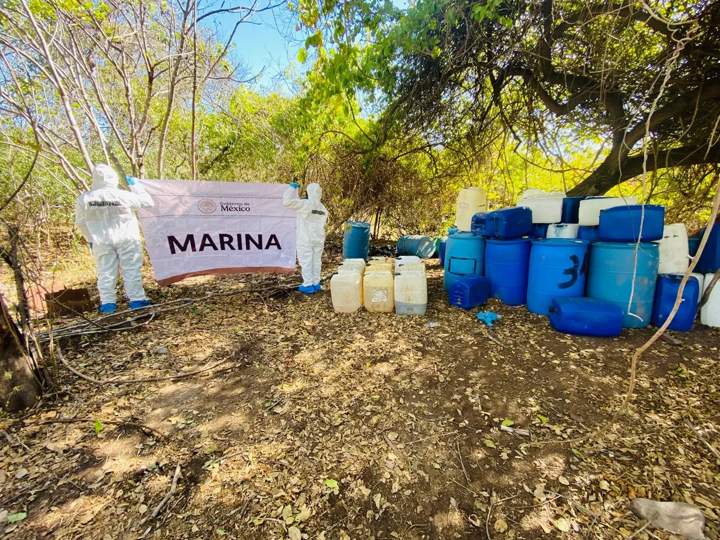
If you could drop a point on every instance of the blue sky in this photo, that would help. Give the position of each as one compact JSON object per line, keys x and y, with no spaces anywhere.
{"x":267,"y":44}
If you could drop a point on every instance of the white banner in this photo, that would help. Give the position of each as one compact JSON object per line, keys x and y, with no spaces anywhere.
{"x":198,"y":228}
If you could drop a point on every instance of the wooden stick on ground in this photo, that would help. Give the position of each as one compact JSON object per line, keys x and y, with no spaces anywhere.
{"x":169,"y":494}
{"x":166,"y":498}
{"x":702,"y":439}
{"x":141,"y":427}
{"x":74,"y":371}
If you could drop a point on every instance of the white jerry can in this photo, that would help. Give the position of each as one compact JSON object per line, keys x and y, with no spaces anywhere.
{"x":470,"y":201}
{"x":411,"y":293}
{"x":378,"y":291}
{"x":346,"y":291}
{"x":674,"y":250}
{"x":710,"y":312}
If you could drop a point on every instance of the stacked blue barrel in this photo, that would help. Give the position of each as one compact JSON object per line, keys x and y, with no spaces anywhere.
{"x":595,"y":265}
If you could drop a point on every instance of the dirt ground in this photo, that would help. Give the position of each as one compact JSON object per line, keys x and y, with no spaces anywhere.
{"x":323,"y":425}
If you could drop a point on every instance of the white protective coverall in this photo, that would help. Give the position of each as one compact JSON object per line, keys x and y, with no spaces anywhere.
{"x":311,"y":218}
{"x":105,"y":217}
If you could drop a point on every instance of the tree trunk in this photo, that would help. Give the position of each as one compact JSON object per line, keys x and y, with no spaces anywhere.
{"x":609,"y":174}
{"x":19,"y":388}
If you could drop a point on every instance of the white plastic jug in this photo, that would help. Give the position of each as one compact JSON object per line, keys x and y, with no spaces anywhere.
{"x":346,"y":291}
{"x":710,"y":313}
{"x":412,"y":267}
{"x":378,"y":291}
{"x":405,"y":259}
{"x":470,"y":201}
{"x":360,"y":262}
{"x":563,"y":230}
{"x":411,"y":293}
{"x":546,"y":207}
{"x":353,"y":265}
{"x":379,"y":267}
{"x":589,"y":212}
{"x":674,"y":251}
{"x":701,"y":281}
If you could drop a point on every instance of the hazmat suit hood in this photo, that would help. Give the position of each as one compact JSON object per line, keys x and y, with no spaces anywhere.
{"x":104,"y":176}
{"x":314,"y":192}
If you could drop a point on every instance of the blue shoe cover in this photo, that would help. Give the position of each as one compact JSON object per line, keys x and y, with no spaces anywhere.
{"x":317,"y":287}
{"x":108,"y":308}
{"x":137,"y":304}
{"x":307,"y":289}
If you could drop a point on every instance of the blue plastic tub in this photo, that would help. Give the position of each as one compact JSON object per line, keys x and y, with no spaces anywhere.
{"x":415,"y":244}
{"x":586,"y":317}
{"x":666,"y":291}
{"x":356,"y":240}
{"x":506,"y":266}
{"x":504,"y":224}
{"x":622,"y":223}
{"x":710,"y":259}
{"x":588,"y":233}
{"x":614,"y":277}
{"x":693,"y":245}
{"x":464,"y":256}
{"x":558,"y":267}
{"x":468,"y":292}
{"x":570,"y":209}
{"x":539,"y":230}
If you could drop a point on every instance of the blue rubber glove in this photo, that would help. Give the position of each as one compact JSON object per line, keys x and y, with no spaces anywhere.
{"x":130,"y":180}
{"x":90,"y":244}
{"x":488,"y":317}
{"x":294,"y":185}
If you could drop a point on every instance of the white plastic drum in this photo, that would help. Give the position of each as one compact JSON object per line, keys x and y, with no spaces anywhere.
{"x":546,"y":207}
{"x":589,"y":213}
{"x":470,"y":201}
{"x":674,"y":251}
{"x":710,"y":313}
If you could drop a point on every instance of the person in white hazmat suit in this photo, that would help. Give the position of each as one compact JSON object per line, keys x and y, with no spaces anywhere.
{"x":106,"y":219}
{"x":311,"y":218}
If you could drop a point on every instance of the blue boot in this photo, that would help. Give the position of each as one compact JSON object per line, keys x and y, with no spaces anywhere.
{"x":137,"y":304}
{"x":317,"y":287}
{"x":108,"y":308}
{"x":306,"y":289}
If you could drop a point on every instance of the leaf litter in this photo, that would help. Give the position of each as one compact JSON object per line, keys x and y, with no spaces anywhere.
{"x":362,"y":425}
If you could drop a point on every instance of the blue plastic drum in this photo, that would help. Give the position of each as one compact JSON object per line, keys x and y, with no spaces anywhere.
{"x":356,"y":240}
{"x":614,"y":276}
{"x":506,"y":265}
{"x":464,"y":256}
{"x":558,"y":267}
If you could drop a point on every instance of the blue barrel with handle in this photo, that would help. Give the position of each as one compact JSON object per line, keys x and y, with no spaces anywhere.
{"x":415,"y":244}
{"x":506,"y":266}
{"x":571,"y":209}
{"x":591,"y":234}
{"x":558,"y":267}
{"x":668,"y":286}
{"x":539,"y":230}
{"x":464,"y":256}
{"x":586,"y":316}
{"x":709,"y":261}
{"x":441,"y":251}
{"x":614,"y":276}
{"x":356,"y":240}
{"x":622,"y":223}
